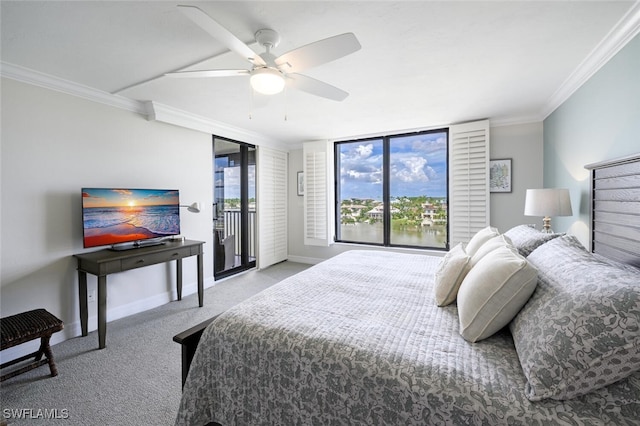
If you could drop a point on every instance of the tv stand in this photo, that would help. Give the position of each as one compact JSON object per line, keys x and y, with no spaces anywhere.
{"x":101,"y":263}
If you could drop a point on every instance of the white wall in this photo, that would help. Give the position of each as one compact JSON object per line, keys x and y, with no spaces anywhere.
{"x":600,"y":121}
{"x":522,"y":143}
{"x":52,"y":145}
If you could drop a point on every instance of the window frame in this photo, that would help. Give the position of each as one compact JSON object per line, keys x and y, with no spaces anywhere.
{"x":386,"y":188}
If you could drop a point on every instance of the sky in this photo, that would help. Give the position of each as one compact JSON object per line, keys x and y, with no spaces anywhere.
{"x":232,"y":179}
{"x":115,"y":197}
{"x":418,"y":166}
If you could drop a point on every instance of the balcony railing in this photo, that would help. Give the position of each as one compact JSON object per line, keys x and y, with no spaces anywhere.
{"x":231,"y":224}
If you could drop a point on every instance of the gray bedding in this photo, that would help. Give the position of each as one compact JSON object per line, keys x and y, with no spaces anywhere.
{"x":358,"y":339}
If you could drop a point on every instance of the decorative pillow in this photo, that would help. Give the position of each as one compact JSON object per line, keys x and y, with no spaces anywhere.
{"x":526,"y":238}
{"x":489,"y":246}
{"x":493,"y":292}
{"x":450,"y":274}
{"x":580,"y":331}
{"x":480,"y":238}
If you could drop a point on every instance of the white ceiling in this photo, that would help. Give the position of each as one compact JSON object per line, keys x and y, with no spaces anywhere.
{"x":422,"y":63}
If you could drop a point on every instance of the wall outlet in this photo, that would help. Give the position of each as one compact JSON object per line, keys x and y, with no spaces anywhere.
{"x":92,"y":296}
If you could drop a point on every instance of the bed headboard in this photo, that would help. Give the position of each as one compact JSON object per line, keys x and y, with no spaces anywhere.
{"x":615,"y":209}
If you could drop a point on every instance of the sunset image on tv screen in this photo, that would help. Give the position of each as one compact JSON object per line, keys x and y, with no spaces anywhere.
{"x":112,"y":216}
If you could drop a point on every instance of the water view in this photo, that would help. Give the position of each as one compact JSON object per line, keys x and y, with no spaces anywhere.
{"x":415,"y":221}
{"x":413,"y":169}
{"x":372,"y":232}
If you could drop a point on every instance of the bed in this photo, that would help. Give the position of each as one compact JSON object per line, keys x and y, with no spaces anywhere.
{"x":513,"y":328}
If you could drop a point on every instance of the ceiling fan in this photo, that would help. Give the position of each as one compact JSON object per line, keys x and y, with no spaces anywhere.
{"x":269,"y":73}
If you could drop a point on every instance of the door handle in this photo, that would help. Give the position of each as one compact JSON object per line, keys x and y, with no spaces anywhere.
{"x":215,"y":211}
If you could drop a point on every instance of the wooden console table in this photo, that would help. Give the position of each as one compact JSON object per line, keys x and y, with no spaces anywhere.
{"x":104,"y":262}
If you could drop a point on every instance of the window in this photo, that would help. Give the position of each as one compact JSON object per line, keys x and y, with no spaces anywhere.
{"x":392,"y":190}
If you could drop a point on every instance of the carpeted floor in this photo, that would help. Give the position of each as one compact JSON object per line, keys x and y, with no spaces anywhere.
{"x":136,"y":379}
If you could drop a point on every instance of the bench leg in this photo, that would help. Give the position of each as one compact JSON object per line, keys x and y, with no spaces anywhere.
{"x":46,"y":350}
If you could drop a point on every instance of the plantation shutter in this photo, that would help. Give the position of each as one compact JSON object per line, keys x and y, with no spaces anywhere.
{"x":272,"y":206}
{"x":468,"y":180}
{"x":317,"y":209}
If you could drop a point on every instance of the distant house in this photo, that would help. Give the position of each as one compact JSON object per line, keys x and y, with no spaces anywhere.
{"x":376,"y":213}
{"x":352,"y":210}
{"x":430,"y":214}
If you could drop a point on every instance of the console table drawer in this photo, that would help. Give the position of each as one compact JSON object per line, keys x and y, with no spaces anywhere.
{"x":154,"y":258}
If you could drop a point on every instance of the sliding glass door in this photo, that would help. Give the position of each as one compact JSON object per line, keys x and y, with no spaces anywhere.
{"x":234,"y":206}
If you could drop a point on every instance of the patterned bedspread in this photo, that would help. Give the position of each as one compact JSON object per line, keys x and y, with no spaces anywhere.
{"x":359,"y":340}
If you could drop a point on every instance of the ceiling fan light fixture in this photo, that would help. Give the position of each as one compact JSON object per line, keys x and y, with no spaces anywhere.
{"x":267,"y":81}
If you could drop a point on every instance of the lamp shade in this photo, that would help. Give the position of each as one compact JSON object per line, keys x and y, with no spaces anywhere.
{"x":547,"y":202}
{"x":267,"y":81}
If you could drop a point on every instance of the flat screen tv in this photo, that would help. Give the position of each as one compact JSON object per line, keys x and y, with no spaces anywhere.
{"x":127,"y":218}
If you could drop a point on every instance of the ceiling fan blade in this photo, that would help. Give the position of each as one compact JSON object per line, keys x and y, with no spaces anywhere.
{"x":316,"y":87}
{"x":220,"y":33}
{"x":317,"y":53}
{"x":207,"y":73}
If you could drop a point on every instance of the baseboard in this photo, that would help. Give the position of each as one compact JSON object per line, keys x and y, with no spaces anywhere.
{"x":74,"y":329}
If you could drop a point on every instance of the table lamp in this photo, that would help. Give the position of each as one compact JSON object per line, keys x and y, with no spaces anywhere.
{"x":547,"y":202}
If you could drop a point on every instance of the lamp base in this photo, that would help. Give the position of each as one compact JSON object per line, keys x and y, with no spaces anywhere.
{"x":546,"y":225}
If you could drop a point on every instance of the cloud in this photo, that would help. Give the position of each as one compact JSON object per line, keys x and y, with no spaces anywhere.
{"x":409,"y":169}
{"x":126,"y":192}
{"x":429,"y":146}
{"x":364,"y":151}
{"x":418,"y":166}
{"x":361,"y":163}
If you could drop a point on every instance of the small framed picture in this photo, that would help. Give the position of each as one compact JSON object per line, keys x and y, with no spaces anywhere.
{"x":500,"y":175}
{"x":300,"y":183}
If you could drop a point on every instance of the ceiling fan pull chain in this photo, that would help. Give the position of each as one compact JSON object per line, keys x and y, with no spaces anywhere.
{"x":286,"y":103}
{"x":250,"y":102}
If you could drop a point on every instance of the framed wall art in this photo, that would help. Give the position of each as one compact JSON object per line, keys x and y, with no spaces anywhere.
{"x":500,"y":175}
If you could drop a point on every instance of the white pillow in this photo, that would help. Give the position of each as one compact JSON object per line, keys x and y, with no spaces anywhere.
{"x":450,"y":274}
{"x":493,"y":292}
{"x":489,"y":246}
{"x":480,"y":238}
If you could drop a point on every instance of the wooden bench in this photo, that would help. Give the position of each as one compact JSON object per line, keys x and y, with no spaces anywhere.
{"x":189,"y":340}
{"x":24,"y":327}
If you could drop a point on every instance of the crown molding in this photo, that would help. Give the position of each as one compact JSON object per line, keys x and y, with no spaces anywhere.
{"x":622,"y":33}
{"x":166,"y":114}
{"x":516,"y":120}
{"x":47,"y":81}
{"x":152,"y":110}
